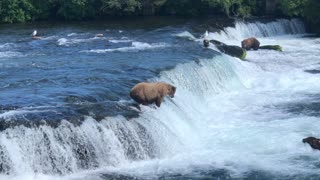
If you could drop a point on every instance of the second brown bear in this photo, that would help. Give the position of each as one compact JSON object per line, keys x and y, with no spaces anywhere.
{"x":250,"y":43}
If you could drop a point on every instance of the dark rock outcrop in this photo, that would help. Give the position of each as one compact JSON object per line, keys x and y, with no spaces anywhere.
{"x":231,"y":50}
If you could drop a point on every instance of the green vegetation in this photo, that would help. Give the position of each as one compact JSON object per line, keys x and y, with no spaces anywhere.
{"x":307,"y":9}
{"x":12,"y":11}
{"x":26,"y":10}
{"x":312,"y":11}
{"x":16,"y":10}
{"x":292,"y":7}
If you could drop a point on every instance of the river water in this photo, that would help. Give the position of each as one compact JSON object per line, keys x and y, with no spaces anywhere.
{"x":65,"y":111}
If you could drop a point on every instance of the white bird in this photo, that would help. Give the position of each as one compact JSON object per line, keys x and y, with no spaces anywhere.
{"x":34,"y":33}
{"x":206,"y":34}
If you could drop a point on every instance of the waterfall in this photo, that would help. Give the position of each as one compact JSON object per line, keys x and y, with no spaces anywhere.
{"x":69,"y":148}
{"x":244,"y":30}
{"x":180,"y":125}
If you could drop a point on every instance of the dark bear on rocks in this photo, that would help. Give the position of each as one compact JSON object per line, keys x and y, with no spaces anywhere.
{"x":250,"y":43}
{"x":148,"y":93}
{"x":231,"y":50}
{"x":313,"y":142}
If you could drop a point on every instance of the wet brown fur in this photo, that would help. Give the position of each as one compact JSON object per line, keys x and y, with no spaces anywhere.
{"x":148,"y":93}
{"x":313,"y":142}
{"x":249,"y":43}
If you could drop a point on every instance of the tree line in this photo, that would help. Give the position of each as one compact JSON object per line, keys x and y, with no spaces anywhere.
{"x":12,"y":11}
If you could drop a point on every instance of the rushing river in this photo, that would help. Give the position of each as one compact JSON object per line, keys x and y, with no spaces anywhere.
{"x":65,"y":110}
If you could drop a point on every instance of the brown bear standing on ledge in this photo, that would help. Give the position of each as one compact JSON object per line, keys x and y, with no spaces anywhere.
{"x":313,"y":142}
{"x":249,"y":43}
{"x":148,"y":93}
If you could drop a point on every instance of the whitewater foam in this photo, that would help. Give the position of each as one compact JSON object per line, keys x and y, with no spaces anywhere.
{"x":72,"y":34}
{"x":6,"y":46}
{"x":135,"y":46}
{"x":9,"y":54}
{"x":8,"y":115}
{"x":245,"y":30}
{"x":120,"y":41}
{"x":49,"y":37}
{"x":68,"y":42}
{"x":186,"y":34}
{"x":281,"y":28}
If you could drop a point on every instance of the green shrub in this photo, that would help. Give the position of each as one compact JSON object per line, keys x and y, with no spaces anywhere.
{"x":16,"y":11}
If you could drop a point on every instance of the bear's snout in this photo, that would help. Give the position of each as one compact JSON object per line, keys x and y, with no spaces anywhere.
{"x":173,"y":91}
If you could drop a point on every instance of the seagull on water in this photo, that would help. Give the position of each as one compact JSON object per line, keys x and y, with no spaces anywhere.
{"x":206,"y":34}
{"x":34,"y":33}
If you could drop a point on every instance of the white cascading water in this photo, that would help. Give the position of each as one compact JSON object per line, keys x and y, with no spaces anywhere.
{"x":227,"y":114}
{"x":245,"y":30}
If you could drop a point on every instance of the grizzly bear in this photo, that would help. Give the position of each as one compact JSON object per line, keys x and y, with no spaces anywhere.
{"x":313,"y":142}
{"x":148,"y":93}
{"x":249,"y":43}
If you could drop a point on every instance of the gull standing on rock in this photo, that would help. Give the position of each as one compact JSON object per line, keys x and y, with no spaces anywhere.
{"x":34,"y":33}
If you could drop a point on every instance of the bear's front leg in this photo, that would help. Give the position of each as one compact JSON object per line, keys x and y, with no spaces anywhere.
{"x":159,"y":101}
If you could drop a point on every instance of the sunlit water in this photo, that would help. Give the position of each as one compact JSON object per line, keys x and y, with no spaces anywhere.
{"x":66,"y":113}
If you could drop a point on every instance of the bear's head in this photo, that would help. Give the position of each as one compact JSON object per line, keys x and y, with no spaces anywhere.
{"x":206,"y":43}
{"x":309,"y":140}
{"x":171,"y":91}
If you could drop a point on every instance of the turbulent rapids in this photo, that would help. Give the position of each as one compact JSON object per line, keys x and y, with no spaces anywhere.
{"x":229,"y":118}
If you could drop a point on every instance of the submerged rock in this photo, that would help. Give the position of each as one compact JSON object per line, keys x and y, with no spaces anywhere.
{"x":99,"y":35}
{"x":36,"y":37}
{"x":313,"y":142}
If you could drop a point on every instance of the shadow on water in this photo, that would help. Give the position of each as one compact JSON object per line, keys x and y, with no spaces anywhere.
{"x":309,"y":106}
{"x":313,"y":71}
{"x":212,"y":174}
{"x":305,"y":108}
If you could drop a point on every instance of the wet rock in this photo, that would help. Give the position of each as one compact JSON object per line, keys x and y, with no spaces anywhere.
{"x":99,"y":35}
{"x":36,"y":37}
{"x":234,"y":51}
{"x":271,"y":47}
